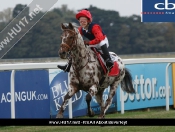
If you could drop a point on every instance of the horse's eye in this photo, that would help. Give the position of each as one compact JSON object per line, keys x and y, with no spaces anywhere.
{"x":71,"y":37}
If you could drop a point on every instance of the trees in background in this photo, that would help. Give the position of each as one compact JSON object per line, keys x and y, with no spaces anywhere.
{"x":18,"y":8}
{"x":6,"y":15}
{"x":126,"y":35}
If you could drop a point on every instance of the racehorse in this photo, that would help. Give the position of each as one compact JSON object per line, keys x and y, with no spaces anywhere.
{"x":86,"y":72}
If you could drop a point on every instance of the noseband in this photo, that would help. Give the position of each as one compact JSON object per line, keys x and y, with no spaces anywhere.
{"x":67,"y":47}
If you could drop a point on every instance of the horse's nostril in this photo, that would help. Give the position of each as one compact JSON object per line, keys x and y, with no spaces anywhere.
{"x":64,"y":53}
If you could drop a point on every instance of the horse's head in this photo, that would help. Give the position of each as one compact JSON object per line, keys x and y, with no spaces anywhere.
{"x":68,"y":40}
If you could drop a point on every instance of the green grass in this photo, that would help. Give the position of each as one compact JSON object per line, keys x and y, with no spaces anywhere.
{"x":153,"y":113}
{"x":91,"y":129}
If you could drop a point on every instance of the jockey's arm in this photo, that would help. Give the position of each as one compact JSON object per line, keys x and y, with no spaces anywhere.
{"x":97,"y":32}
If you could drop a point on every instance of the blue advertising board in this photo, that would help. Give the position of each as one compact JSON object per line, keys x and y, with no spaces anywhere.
{"x":32,"y":99}
{"x":158,"y":10}
{"x":5,"y":88}
{"x":149,"y":83}
{"x":58,"y":89}
{"x":40,"y":93}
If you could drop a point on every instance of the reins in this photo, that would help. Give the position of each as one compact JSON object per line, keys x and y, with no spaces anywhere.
{"x":70,"y":48}
{"x":66,"y":46}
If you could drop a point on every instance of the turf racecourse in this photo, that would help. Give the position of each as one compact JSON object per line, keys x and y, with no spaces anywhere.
{"x":158,"y":113}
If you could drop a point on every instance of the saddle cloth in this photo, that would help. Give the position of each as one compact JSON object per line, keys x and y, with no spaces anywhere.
{"x":114,"y":70}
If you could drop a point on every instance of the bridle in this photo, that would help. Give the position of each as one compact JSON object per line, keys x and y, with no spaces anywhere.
{"x":73,"y":43}
{"x":72,"y":46}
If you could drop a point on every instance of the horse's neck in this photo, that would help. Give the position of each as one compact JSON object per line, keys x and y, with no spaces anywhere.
{"x":80,"y":54}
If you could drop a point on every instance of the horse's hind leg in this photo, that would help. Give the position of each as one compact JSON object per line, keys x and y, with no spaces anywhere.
{"x":108,"y":101}
{"x":99,"y":98}
{"x":92,"y":91}
{"x":88,"y":101}
{"x":69,"y":94}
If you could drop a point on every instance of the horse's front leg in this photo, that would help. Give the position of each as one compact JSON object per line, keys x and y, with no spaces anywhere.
{"x":88,"y":101}
{"x":70,"y":93}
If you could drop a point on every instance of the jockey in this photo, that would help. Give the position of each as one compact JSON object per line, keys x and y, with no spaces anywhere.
{"x":95,"y":35}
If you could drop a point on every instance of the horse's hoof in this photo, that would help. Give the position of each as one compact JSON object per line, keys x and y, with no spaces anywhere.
{"x":91,"y":113}
{"x":101,"y":117}
{"x":59,"y":116}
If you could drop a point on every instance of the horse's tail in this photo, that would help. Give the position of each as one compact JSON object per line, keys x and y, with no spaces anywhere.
{"x":126,"y":83}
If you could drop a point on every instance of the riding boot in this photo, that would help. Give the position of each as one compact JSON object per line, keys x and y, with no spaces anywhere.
{"x":106,"y":57}
{"x":66,"y":67}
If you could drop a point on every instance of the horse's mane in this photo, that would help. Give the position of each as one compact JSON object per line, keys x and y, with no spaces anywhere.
{"x":75,"y":25}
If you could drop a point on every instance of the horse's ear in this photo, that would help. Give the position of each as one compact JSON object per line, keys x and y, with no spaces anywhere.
{"x":62,"y":26}
{"x":71,"y":26}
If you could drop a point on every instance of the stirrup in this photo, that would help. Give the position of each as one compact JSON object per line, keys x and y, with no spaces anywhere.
{"x":109,"y":64}
{"x":109,"y":68}
{"x":67,"y":69}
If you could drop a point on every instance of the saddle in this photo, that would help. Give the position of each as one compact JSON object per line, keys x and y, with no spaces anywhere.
{"x":114,"y":70}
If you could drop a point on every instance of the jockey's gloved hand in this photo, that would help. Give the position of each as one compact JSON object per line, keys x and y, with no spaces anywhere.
{"x":86,"y":42}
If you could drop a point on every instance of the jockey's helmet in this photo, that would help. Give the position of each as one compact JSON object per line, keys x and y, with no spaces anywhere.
{"x":84,"y":13}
